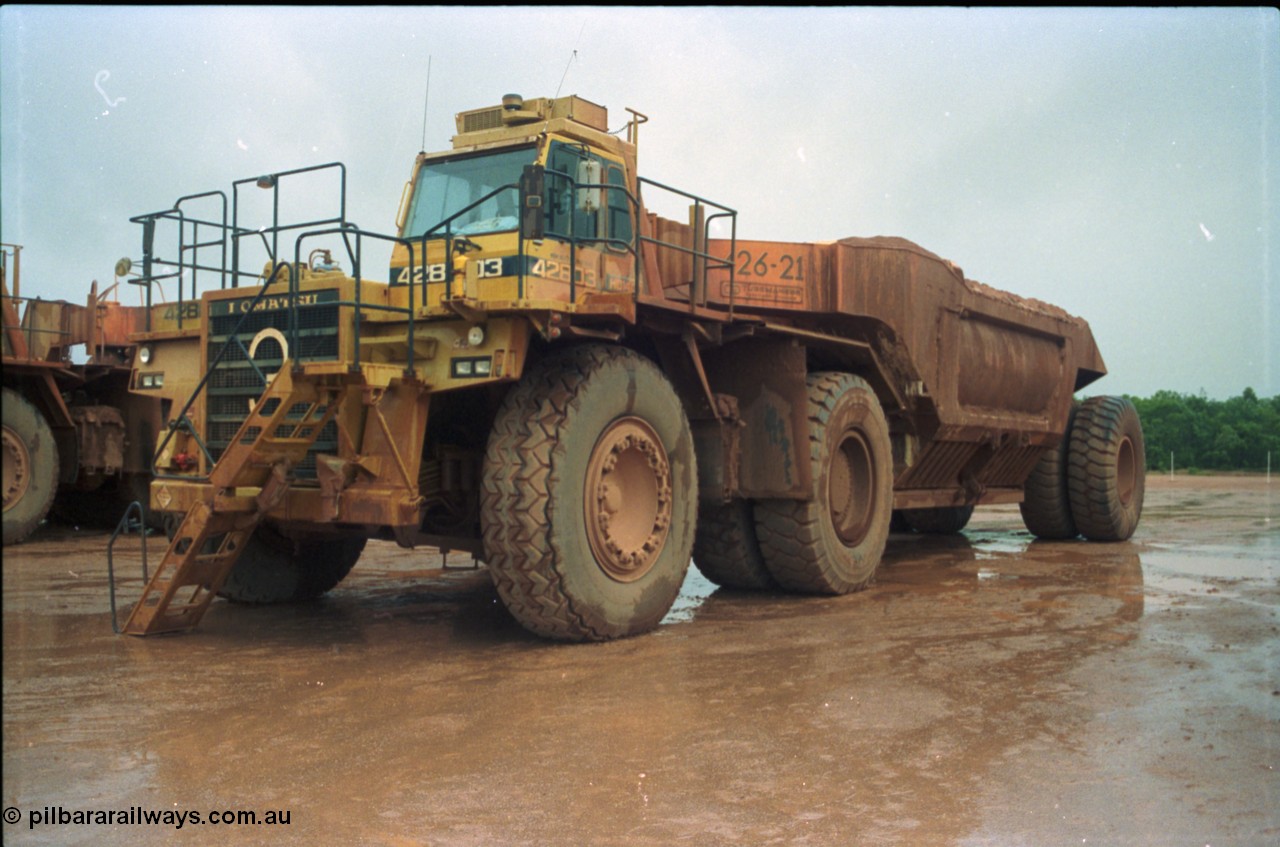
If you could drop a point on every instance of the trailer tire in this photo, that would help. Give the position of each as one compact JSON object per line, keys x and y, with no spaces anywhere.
{"x":943,"y":520}
{"x":1046,"y":500}
{"x":832,"y":543}
{"x":1106,"y":469}
{"x":726,"y":549}
{"x":30,"y":465}
{"x":590,"y":496}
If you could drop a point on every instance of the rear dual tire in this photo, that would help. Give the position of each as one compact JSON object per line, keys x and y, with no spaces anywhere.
{"x":1094,"y":481}
{"x":1106,"y":469}
{"x":1046,"y":503}
{"x":726,"y":549}
{"x":832,"y":543}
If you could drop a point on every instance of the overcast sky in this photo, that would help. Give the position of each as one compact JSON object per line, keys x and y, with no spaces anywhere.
{"x":1119,"y":163}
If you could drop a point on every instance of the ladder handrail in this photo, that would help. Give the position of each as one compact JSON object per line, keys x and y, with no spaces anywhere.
{"x":122,"y":526}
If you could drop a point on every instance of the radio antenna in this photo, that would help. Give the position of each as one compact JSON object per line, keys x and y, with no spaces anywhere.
{"x":572,"y":56}
{"x":426,"y":98}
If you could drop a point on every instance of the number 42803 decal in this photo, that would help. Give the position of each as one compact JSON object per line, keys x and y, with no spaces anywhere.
{"x":496,"y":266}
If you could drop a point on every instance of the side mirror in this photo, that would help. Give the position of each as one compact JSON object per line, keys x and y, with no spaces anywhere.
{"x":533,"y":223}
{"x":588,"y":174}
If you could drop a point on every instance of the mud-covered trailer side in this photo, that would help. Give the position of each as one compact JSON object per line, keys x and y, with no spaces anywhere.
{"x":978,"y":383}
{"x":983,"y":357}
{"x":988,"y":376}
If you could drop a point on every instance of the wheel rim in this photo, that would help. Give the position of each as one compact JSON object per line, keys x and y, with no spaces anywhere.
{"x":851,"y":488}
{"x":628,"y":499}
{"x":1126,"y":472}
{"x":17,"y":468}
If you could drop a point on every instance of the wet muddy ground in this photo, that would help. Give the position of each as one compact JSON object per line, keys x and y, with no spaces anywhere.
{"x":987,"y":690}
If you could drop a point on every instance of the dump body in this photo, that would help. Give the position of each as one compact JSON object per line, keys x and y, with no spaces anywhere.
{"x":972,"y":370}
{"x":553,"y":373}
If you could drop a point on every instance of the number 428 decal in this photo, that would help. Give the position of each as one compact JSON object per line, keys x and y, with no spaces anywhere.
{"x":485,"y":269}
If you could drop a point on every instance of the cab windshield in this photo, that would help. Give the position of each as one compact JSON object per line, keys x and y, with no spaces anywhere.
{"x":447,"y":186}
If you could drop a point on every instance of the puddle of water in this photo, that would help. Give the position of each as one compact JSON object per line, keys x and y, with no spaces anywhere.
{"x":990,"y":545}
{"x":696,"y":589}
{"x":1216,"y":562}
{"x":1184,"y":578}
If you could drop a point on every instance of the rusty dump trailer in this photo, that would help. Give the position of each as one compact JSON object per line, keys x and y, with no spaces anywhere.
{"x":75,"y":439}
{"x":587,"y":395}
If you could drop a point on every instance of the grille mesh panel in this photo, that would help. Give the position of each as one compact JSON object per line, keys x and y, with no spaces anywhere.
{"x":234,"y":385}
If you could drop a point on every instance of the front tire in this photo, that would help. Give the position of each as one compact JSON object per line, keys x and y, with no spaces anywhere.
{"x":30,"y":462}
{"x":832,"y":543}
{"x":590,"y":496}
{"x":274,"y":568}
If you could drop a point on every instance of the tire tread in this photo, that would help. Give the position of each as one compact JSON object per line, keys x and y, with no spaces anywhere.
{"x":1092,"y":475}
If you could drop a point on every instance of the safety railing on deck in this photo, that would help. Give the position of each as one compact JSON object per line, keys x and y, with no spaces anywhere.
{"x":356,"y":255}
{"x":157,"y":269}
{"x":185,"y":263}
{"x":22,"y":319}
{"x":197,"y":237}
{"x":703,"y":261}
{"x":25,"y":322}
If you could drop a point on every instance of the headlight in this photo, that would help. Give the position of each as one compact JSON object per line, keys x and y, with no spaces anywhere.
{"x":475,"y":336}
{"x":471,"y":367}
{"x":144,"y":354}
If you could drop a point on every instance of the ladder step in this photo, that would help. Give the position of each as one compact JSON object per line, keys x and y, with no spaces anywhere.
{"x":155,"y":617}
{"x":187,"y":580}
{"x":290,"y":444}
{"x":174,"y":619}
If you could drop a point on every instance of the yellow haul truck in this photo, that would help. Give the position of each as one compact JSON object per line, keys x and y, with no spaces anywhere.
{"x":585,"y":394}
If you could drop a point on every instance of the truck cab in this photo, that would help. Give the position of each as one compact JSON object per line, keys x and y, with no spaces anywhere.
{"x":543,"y":175}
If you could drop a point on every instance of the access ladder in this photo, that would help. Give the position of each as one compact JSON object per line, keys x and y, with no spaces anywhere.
{"x":213,"y":534}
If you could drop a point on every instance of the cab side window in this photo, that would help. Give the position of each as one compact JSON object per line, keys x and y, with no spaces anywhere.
{"x":569,"y":215}
{"x":564,"y":218}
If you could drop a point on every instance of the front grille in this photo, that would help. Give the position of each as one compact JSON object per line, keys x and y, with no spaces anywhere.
{"x":234,"y":385}
{"x":320,"y":316}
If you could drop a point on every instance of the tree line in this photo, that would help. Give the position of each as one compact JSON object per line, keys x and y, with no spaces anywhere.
{"x":1204,"y":434}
